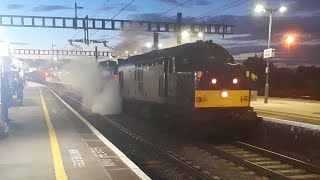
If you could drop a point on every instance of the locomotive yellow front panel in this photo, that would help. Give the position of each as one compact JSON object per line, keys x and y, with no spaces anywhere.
{"x":222,"y":98}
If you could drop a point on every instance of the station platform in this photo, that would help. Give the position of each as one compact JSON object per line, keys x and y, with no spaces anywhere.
{"x":50,"y":140}
{"x":304,"y":111}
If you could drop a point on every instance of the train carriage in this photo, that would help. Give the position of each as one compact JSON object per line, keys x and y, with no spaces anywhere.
{"x":199,"y":77}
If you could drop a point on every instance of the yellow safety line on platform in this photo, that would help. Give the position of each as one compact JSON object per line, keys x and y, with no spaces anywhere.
{"x":57,"y":160}
{"x":287,"y":114}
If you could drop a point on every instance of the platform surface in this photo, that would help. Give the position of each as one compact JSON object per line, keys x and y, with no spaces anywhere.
{"x":304,"y":111}
{"x":48,"y":140}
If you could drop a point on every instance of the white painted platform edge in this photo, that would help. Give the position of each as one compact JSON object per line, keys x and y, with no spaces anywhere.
{"x":292,"y":123}
{"x":120,"y":154}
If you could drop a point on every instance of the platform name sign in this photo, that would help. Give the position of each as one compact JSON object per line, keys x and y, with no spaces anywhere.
{"x":269,"y":53}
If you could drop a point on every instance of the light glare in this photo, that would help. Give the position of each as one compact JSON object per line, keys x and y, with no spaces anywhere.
{"x":259,"y":9}
{"x":148,"y":45}
{"x":224,"y":94}
{"x":200,"y":34}
{"x":185,"y":34}
{"x":214,"y":81}
{"x":289,"y":40}
{"x":282,"y":9}
{"x":160,"y":45}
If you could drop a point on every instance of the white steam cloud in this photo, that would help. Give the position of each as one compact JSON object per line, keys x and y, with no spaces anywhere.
{"x":99,"y":94}
{"x":132,"y":39}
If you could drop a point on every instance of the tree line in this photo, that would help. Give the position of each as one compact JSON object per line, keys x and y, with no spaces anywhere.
{"x":299,"y":82}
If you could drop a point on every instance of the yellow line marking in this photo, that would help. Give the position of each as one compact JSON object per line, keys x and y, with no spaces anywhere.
{"x":57,"y":160}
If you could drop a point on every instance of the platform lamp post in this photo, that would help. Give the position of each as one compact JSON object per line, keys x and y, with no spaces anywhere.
{"x":260,"y":9}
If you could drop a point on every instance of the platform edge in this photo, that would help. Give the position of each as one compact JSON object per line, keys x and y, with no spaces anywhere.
{"x":121,"y":155}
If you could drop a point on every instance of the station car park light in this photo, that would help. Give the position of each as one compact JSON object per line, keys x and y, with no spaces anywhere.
{"x":214,"y":81}
{"x":289,"y":40}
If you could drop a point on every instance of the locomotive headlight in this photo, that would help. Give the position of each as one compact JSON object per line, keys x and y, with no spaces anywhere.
{"x":235,"y":81}
{"x":214,"y":81}
{"x":224,"y":94}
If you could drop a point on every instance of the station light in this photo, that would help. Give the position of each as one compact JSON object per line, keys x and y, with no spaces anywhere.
{"x":214,"y":81}
{"x":271,"y":11}
{"x":282,"y":9}
{"x":259,"y":8}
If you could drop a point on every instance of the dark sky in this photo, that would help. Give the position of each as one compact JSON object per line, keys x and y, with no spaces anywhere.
{"x":302,"y":20}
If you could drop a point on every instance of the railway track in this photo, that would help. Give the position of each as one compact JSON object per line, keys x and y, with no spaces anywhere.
{"x":266,"y":163}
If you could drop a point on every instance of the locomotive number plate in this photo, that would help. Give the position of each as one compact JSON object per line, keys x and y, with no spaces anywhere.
{"x":244,"y":98}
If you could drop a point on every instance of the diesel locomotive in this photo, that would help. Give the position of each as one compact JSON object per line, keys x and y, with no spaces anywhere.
{"x":191,"y":79}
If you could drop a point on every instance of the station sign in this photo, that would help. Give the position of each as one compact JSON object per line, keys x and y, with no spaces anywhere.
{"x":269,"y":53}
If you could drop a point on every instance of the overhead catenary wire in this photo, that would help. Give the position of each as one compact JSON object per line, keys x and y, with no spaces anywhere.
{"x":114,"y":16}
{"x":220,"y":9}
{"x":171,"y":9}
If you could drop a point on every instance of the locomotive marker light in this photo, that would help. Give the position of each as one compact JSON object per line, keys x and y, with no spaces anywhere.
{"x":260,"y":9}
{"x":224,"y":94}
{"x":235,"y":81}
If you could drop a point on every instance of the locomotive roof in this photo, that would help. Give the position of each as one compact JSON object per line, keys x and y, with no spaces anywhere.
{"x":194,"y":53}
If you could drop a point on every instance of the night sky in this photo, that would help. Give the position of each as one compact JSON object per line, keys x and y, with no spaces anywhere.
{"x":302,"y":20}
